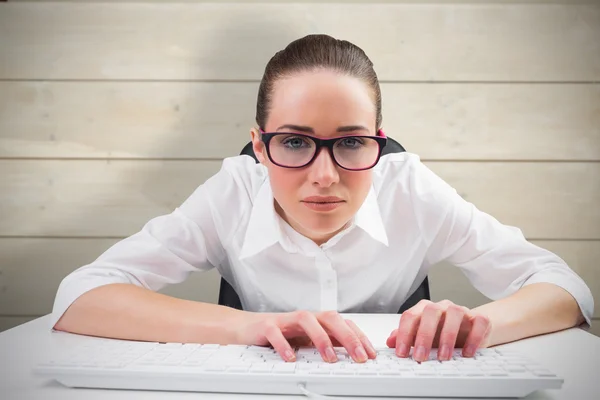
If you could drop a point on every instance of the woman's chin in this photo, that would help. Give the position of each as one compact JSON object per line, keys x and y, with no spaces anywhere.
{"x":325,"y":227}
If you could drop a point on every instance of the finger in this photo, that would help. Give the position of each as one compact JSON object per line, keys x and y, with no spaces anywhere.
{"x":428,"y":327}
{"x":405,"y":335}
{"x":363,"y":338}
{"x":407,"y":329}
{"x":274,"y":335}
{"x":452,"y":322}
{"x":339,"y":329}
{"x":313,"y":329}
{"x":391,"y":340}
{"x":479,"y":329}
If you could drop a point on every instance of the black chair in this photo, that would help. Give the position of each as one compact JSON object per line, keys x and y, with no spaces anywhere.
{"x":229,"y":297}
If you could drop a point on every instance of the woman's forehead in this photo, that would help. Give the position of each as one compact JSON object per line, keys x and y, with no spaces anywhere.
{"x":322,"y":102}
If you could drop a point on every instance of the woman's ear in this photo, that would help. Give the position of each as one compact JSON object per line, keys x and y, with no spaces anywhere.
{"x":258,"y":146}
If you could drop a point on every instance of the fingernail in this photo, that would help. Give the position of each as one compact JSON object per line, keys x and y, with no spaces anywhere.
{"x":290,"y":355}
{"x":444,"y":353}
{"x":420,"y":353}
{"x":360,"y":354}
{"x":371,"y":348}
{"x":402,"y":350}
{"x":330,"y":354}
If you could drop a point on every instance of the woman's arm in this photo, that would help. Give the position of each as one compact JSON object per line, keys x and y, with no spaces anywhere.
{"x":534,"y":290}
{"x":126,"y":311}
{"x":496,"y":258}
{"x":533,"y":310}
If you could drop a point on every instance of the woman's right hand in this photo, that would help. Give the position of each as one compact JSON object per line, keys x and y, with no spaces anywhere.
{"x":323,"y":330}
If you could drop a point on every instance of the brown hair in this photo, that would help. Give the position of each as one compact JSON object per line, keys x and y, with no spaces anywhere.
{"x":313,"y":52}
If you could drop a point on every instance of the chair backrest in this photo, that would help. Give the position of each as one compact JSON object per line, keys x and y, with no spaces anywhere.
{"x":229,"y":297}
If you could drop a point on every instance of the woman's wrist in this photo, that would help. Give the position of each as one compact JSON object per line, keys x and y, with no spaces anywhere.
{"x":211,"y":323}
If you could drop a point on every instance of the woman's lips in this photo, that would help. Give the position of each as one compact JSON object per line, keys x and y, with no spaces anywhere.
{"x":323,"y":203}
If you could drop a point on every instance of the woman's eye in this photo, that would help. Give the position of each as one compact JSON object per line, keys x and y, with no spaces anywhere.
{"x":351,"y":143}
{"x":295,"y":142}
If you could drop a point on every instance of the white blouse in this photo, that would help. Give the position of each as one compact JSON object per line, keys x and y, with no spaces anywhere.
{"x":410,"y":220}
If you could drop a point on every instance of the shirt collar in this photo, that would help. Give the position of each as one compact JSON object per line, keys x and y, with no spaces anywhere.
{"x":368,"y":218}
{"x":264,"y":228}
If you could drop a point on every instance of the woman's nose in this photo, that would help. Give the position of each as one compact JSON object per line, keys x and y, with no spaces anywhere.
{"x":323,"y":170}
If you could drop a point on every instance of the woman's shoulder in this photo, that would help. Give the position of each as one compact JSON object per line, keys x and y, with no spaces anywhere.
{"x":396,"y":166}
{"x":230,"y":191}
{"x":407,"y":172}
{"x":244,"y":173}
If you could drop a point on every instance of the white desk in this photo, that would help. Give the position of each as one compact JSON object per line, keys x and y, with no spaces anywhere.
{"x":574,"y":354}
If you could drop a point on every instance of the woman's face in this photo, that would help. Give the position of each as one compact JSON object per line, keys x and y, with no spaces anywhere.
{"x":324,"y":104}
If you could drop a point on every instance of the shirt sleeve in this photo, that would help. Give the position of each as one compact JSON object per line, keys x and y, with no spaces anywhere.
{"x":165,"y":251}
{"x":496,"y":258}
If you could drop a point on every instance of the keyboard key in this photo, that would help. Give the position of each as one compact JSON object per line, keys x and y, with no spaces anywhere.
{"x":342,"y":372}
{"x":365,"y":372}
{"x":496,"y":372}
{"x":474,"y":373}
{"x":542,"y":372}
{"x":261,"y":367}
{"x":287,"y":368}
{"x":390,"y":372}
{"x":426,"y":372}
{"x":238,"y":368}
{"x":515,"y":368}
{"x":215,"y":368}
{"x":450,"y":373}
{"x":318,"y":371}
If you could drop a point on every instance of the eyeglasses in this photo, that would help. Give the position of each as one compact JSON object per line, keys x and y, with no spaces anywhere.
{"x":296,"y":150}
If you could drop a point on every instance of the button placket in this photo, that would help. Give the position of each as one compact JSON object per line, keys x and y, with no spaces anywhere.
{"x":328,"y":280}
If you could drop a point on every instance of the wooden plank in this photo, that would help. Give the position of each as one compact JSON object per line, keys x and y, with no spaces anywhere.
{"x":195,"y":120}
{"x":545,"y":200}
{"x":115,"y":198}
{"x":412,"y":42}
{"x":128,"y":193}
{"x":9,"y":322}
{"x":32,"y":269}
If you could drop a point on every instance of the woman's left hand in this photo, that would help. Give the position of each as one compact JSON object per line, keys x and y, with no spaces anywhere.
{"x":444,"y":325}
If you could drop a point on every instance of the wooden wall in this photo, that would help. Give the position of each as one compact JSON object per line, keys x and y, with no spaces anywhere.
{"x":108,"y":114}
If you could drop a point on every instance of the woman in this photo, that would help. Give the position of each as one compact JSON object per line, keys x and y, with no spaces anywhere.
{"x":323,"y":224}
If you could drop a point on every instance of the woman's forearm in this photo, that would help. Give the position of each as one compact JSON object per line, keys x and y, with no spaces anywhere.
{"x":533,"y":310}
{"x":125,"y":311}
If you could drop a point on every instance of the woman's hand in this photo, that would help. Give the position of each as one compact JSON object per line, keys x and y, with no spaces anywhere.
{"x":444,"y":325}
{"x":324,"y":330}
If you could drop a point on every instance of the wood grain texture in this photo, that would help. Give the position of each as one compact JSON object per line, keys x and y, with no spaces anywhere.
{"x":407,"y":42}
{"x":32,"y":269}
{"x":200,"y":120}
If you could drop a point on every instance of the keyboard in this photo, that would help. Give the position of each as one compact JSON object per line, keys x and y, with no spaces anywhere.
{"x":122,"y":364}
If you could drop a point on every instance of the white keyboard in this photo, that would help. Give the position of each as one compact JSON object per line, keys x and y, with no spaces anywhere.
{"x":119,"y":364}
